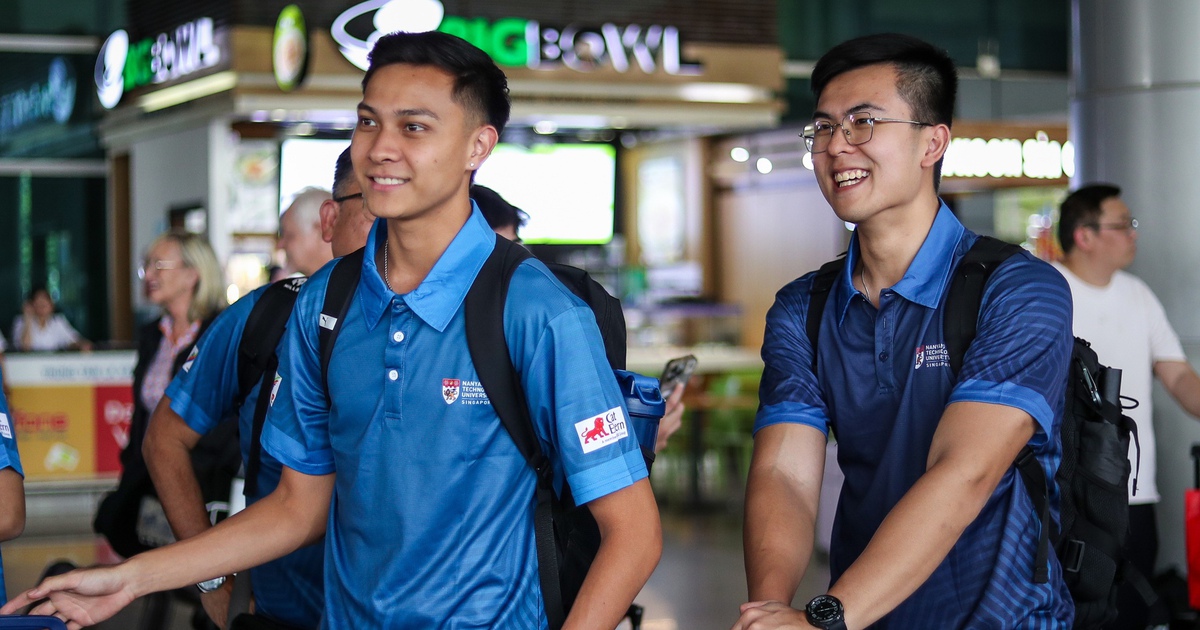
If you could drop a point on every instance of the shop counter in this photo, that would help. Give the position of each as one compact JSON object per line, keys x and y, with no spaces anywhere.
{"x":71,"y":413}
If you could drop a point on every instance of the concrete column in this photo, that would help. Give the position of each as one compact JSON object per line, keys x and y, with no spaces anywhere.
{"x":1135,"y":121}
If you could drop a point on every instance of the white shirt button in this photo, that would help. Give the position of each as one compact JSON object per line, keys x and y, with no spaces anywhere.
{"x":398,"y":336}
{"x":393,"y":375}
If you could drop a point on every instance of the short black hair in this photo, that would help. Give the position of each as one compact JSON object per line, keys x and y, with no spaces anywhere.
{"x":497,"y":210}
{"x":925,"y":74}
{"x":1082,"y":207}
{"x":36,"y":289}
{"x":343,"y":172}
{"x":480,"y":86}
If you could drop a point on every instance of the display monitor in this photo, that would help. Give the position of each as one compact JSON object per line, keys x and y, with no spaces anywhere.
{"x":569,"y":190}
{"x":305,"y":162}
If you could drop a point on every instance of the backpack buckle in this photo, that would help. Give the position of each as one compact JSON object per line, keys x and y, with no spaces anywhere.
{"x":1072,"y":556}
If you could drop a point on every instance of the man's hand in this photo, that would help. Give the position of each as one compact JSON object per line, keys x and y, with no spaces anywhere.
{"x":83,"y":597}
{"x":216,"y":603}
{"x":672,"y":420}
{"x":770,"y":615}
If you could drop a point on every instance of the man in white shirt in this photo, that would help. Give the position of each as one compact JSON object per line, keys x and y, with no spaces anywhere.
{"x":1126,"y":325}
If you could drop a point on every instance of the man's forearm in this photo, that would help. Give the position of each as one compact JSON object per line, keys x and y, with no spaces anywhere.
{"x":168,"y":458}
{"x":271,"y":528}
{"x":629,"y":550}
{"x":777,"y":537}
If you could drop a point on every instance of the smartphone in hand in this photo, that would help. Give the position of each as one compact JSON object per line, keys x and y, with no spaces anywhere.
{"x":677,"y":372}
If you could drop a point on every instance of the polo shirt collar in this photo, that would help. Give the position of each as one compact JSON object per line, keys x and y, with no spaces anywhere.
{"x":926,"y":275}
{"x":440,"y":294}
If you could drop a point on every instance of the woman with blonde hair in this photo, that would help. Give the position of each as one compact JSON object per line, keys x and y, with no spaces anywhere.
{"x":180,"y":275}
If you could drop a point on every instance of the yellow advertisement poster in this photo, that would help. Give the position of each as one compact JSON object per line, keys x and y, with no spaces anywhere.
{"x":55,"y":431}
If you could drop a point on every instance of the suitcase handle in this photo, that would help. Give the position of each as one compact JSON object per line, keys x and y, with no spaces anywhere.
{"x":1196,"y":465}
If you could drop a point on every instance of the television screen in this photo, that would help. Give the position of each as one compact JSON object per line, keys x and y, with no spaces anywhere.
{"x":568,"y":189}
{"x":305,"y":162}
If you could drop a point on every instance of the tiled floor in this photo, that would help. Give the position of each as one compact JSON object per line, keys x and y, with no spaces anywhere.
{"x":698,"y":584}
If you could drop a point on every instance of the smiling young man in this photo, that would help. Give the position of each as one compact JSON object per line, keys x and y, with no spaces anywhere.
{"x":426,"y":503}
{"x":934,"y":528}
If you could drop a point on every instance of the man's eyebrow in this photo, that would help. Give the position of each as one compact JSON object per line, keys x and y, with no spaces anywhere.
{"x":857,"y":108}
{"x":402,"y":113}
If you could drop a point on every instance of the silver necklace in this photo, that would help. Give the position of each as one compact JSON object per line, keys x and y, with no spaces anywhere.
{"x":862,"y":275}
{"x":387,"y":280}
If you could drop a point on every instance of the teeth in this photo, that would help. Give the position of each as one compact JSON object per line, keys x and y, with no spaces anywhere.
{"x":845,"y":178}
{"x":388,"y":181}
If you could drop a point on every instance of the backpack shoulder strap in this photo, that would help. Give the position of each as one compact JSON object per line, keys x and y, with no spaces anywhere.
{"x":262,"y":332}
{"x":818,"y":295}
{"x":484,"y":314}
{"x":258,"y":361}
{"x":965,"y":296}
{"x":339,"y":292}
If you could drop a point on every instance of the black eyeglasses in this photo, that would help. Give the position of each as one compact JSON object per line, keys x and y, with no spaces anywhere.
{"x":858,"y":129}
{"x":356,"y":195}
{"x":1128,"y":226}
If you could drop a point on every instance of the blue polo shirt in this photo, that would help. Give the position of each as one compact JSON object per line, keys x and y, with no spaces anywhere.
{"x":9,"y":458}
{"x":431,"y":522}
{"x":885,"y":380}
{"x":203,"y":393}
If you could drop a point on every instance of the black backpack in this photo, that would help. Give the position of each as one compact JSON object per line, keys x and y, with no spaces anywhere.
{"x":1094,"y":473}
{"x":258,"y":361}
{"x":567,"y":536}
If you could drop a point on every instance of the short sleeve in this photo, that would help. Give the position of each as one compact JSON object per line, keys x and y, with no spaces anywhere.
{"x":1164,"y":341}
{"x":203,"y":392}
{"x":9,"y":457}
{"x":573,"y":396}
{"x":1020,"y":355}
{"x":297,"y":426}
{"x":789,"y":391}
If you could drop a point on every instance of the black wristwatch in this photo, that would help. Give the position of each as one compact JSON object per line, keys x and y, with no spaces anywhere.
{"x":825,"y":611}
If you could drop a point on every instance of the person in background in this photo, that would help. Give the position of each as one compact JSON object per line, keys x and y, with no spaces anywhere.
{"x":12,"y":485}
{"x":289,"y":589}
{"x":1126,"y":324}
{"x":40,"y":329}
{"x":182,"y":277}
{"x":300,"y":232}
{"x":507,"y":220}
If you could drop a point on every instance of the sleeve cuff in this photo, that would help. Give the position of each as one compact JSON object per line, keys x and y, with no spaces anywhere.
{"x":608,"y":477}
{"x":1009,"y":395}
{"x":294,"y":455}
{"x":193,"y":416}
{"x":798,"y":413}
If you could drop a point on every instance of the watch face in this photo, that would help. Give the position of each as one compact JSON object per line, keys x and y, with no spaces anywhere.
{"x":824,"y":609}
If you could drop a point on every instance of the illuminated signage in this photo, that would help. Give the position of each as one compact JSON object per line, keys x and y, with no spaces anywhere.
{"x":289,"y":51}
{"x":516,"y":41}
{"x":1037,"y":158}
{"x":52,"y":99}
{"x":124,"y":65}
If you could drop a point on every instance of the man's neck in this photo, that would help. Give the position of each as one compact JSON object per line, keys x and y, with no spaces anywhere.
{"x":1093,"y":273}
{"x":415,"y":245}
{"x":889,"y":242}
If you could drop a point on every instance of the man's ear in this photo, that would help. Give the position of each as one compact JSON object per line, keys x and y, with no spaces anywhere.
{"x":485,"y":140}
{"x":329,"y":214}
{"x":939,"y":142}
{"x":1084,"y":238}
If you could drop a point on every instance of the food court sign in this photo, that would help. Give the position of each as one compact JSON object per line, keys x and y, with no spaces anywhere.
{"x":517,"y":41}
{"x":183,"y":52}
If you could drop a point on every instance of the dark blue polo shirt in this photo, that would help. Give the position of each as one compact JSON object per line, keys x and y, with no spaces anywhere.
{"x":885,"y":380}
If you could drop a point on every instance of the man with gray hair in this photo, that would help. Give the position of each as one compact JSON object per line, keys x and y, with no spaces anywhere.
{"x":300,"y":232}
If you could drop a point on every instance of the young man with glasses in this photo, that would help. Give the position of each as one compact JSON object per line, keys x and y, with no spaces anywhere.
{"x":1128,"y":329}
{"x":934,"y":528}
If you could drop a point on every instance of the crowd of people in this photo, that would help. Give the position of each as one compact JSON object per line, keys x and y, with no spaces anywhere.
{"x":376,"y":501}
